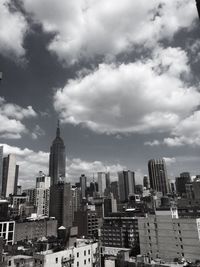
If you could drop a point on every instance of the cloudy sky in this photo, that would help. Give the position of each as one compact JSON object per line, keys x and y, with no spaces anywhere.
{"x":122,"y":76}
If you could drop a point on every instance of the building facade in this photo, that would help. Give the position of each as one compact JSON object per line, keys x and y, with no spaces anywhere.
{"x":158,"y":176}
{"x":57,"y":159}
{"x":43,"y":183}
{"x":10,"y":175}
{"x":61,"y":204}
{"x":166,"y":236}
{"x":126,"y":181}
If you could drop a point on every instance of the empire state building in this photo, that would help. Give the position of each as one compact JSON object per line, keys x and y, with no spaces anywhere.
{"x":57,"y":159}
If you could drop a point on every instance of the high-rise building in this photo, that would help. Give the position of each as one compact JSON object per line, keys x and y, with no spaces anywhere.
{"x":1,"y":168}
{"x":181,"y":182}
{"x":43,"y":183}
{"x":10,"y":175}
{"x":57,"y":159}
{"x":103,"y":182}
{"x":83,"y":185}
{"x":158,"y":176}
{"x":61,"y":204}
{"x":126,"y":185}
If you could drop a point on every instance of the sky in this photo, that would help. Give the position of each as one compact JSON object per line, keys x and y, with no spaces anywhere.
{"x":122,"y":77}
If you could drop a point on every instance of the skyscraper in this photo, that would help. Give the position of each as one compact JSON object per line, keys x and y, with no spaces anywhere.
{"x":198,"y":7}
{"x":83,"y":185}
{"x":61,"y":204}
{"x":126,"y":185}
{"x":10,"y":175}
{"x":1,"y":168}
{"x":101,"y":182}
{"x":57,"y":159}
{"x":158,"y":175}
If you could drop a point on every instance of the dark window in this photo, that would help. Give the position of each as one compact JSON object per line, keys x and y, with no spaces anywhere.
{"x":77,"y":254}
{"x":84,"y":252}
{"x":56,"y":260}
{"x":9,"y":263}
{"x":84,"y":262}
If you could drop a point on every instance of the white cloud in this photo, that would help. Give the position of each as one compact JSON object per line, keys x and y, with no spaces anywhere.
{"x":144,"y":96}
{"x":13,"y":27}
{"x":37,"y":131}
{"x":11,"y":115}
{"x":169,"y":161}
{"x":88,"y":28}
{"x":31,"y":162}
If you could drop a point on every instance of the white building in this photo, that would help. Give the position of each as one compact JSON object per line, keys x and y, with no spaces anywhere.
{"x":43,"y":183}
{"x":10,"y":175}
{"x":102,"y":176}
{"x":7,"y":230}
{"x":83,"y":254}
{"x":166,"y":236}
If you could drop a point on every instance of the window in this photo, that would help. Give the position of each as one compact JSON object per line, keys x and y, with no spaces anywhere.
{"x":84,"y":262}
{"x":89,"y":260}
{"x":56,"y":260}
{"x":11,"y":226}
{"x":77,"y":264}
{"x":77,"y":254}
{"x":9,"y":263}
{"x":84,"y":252}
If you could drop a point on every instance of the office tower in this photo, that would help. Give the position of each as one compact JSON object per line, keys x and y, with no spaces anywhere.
{"x":43,"y":183}
{"x":1,"y":168}
{"x":146,"y":182}
{"x":76,"y":200}
{"x":57,"y":159}
{"x":103,"y":182}
{"x":181,"y":182}
{"x":126,"y":185}
{"x":83,"y":185}
{"x":158,"y":175}
{"x":61,"y":204}
{"x":114,"y":189}
{"x":10,"y":175}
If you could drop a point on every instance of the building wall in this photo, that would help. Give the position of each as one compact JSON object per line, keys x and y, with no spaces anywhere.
{"x":84,"y":255}
{"x":168,"y":238}
{"x":35,"y":229}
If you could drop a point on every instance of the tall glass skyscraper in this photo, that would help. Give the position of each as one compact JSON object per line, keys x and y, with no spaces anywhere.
{"x":57,"y":159}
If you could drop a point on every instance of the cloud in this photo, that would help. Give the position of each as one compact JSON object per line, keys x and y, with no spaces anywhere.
{"x":37,"y":131}
{"x":169,"y":161}
{"x":13,"y":27}
{"x":146,"y":96}
{"x":11,"y":116}
{"x":31,"y":162}
{"x":89,"y":28}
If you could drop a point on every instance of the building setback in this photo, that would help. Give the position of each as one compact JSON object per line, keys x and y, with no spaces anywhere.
{"x":166,"y":236}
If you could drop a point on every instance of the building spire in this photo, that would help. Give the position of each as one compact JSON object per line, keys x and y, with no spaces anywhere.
{"x":58,"y":129}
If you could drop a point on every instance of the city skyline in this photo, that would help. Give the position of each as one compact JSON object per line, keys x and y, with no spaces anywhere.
{"x":111,"y":117}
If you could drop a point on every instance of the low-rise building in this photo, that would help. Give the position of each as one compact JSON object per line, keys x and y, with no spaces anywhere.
{"x":7,"y":230}
{"x":84,"y":253}
{"x":35,"y":229}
